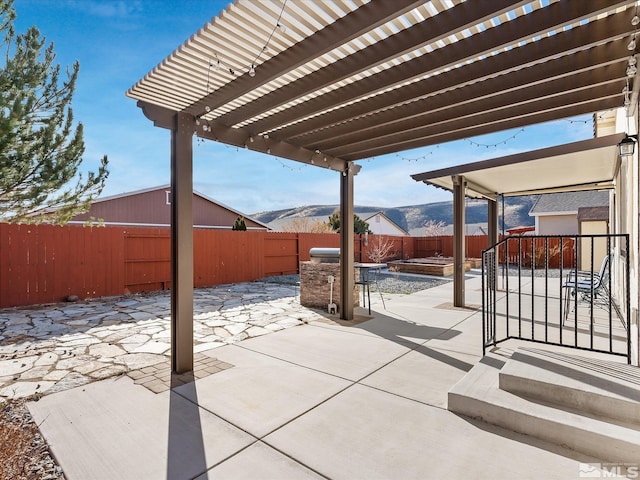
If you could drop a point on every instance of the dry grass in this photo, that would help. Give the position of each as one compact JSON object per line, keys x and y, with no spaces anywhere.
{"x":23,"y":452}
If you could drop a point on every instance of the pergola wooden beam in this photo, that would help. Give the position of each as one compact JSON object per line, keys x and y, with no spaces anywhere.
{"x":333,"y":36}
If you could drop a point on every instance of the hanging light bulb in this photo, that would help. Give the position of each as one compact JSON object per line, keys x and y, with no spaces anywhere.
{"x":631,"y":71}
{"x":632,"y":60}
{"x":632,"y":44}
{"x":281,"y":27}
{"x":268,"y":150}
{"x":635,"y":20}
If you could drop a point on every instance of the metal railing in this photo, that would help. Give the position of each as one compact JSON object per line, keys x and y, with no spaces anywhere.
{"x":571,"y":291}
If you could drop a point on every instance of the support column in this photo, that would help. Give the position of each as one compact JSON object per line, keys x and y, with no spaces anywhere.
{"x":492,"y":238}
{"x":346,"y":244}
{"x":182,"y":243}
{"x":459,"y":187}
{"x":492,"y":220}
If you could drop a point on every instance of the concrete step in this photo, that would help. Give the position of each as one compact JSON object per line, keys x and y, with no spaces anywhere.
{"x":590,"y":386}
{"x":477,"y":395}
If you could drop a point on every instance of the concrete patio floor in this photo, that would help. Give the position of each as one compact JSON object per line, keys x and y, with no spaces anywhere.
{"x":328,"y":399}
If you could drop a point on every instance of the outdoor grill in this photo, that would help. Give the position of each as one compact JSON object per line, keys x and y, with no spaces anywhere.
{"x":324,"y":255}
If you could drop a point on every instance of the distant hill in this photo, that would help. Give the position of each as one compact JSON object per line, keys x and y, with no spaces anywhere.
{"x":416,"y":216}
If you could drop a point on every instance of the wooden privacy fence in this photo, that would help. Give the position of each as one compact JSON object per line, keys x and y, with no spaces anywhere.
{"x":45,"y":263}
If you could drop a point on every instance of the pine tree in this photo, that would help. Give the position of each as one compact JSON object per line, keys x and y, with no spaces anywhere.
{"x":359,"y":225}
{"x":240,"y":224}
{"x":40,"y":150}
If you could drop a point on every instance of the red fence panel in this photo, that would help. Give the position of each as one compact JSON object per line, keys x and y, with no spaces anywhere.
{"x":382,"y":248}
{"x":427,"y":247}
{"x":307,"y":241}
{"x":540,"y":250}
{"x":46,"y":263}
{"x":227,"y":256}
{"x":280,"y":253}
{"x":147,"y":259}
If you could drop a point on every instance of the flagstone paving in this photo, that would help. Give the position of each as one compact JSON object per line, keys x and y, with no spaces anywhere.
{"x":50,"y":348}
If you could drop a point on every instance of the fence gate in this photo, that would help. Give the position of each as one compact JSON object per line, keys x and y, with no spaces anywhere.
{"x":147,"y":260}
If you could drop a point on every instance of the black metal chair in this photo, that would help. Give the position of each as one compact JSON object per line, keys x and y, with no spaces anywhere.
{"x":588,"y":286}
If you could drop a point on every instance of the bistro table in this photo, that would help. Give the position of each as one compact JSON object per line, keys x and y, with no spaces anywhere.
{"x":369,"y":274}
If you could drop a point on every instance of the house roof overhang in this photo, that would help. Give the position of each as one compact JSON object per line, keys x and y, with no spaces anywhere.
{"x":585,"y":165}
{"x":354,"y":79}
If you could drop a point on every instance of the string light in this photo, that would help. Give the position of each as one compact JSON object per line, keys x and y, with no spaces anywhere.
{"x":216,"y":63}
{"x":626,"y":94}
{"x":251,"y":69}
{"x":494,"y":145}
{"x":298,"y":169}
{"x":632,"y":44}
{"x":568,"y":120}
{"x":416,"y":159}
{"x":632,"y":69}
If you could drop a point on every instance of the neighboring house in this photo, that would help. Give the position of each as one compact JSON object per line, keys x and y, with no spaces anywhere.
{"x":152,"y":208}
{"x":557,"y":213}
{"x":380,"y":224}
{"x":284,"y":224}
{"x":470,"y":229}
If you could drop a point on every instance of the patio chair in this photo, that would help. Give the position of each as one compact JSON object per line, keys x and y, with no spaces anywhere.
{"x":591,"y":287}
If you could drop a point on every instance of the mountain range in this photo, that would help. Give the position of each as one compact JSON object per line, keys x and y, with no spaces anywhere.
{"x":412,"y":217}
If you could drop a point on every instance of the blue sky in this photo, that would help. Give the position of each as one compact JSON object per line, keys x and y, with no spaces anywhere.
{"x":118,"y":42}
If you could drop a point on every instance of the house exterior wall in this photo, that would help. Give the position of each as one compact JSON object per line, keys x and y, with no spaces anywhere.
{"x":153,"y":208}
{"x":557,"y":224}
{"x":626,"y":219}
{"x":147,"y":208}
{"x":593,"y":227}
{"x":381,"y":226}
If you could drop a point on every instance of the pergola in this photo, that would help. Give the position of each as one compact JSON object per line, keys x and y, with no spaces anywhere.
{"x":330,"y":83}
{"x":587,"y":165}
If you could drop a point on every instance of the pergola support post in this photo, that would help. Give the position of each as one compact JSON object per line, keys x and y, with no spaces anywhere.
{"x":492,"y":222}
{"x":347,"y":281}
{"x":459,"y":187}
{"x":182,"y":243}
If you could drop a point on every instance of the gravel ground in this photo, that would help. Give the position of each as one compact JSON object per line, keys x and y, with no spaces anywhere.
{"x":24,"y":454}
{"x":538,"y":272}
{"x":387,"y":282}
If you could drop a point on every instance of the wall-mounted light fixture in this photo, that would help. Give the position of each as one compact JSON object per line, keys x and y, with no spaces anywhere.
{"x":627,"y":145}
